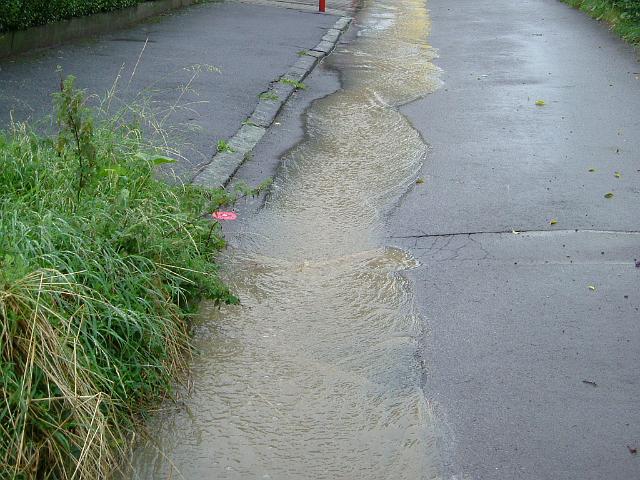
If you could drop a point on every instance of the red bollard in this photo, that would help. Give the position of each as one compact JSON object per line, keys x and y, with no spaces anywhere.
{"x":322,"y":6}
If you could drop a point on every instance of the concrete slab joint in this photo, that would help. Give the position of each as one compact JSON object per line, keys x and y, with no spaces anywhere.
{"x":224,"y":165}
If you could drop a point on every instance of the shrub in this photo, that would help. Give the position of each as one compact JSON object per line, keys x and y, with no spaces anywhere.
{"x":628,"y":8}
{"x":623,"y":15}
{"x":100,"y":265}
{"x":21,"y":14}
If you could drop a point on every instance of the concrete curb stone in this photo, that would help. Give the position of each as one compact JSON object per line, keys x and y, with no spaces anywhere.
{"x":325,"y":47}
{"x":265,"y":112}
{"x":297,"y":74}
{"x":332,"y":35}
{"x":306,"y":62}
{"x":313,"y":53}
{"x":343,"y":23}
{"x":224,"y":165}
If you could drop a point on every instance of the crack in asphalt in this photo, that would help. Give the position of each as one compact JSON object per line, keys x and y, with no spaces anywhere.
{"x":517,"y":232}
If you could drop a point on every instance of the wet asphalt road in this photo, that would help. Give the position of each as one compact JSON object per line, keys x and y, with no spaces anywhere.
{"x":513,"y":329}
{"x":531,"y":374}
{"x":203,"y":65}
{"x":515,"y":334}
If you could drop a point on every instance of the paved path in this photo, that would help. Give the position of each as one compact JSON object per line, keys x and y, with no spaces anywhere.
{"x":516,"y":336}
{"x":249,"y":45}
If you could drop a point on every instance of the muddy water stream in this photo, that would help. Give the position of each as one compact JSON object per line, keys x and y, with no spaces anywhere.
{"x":316,"y":375}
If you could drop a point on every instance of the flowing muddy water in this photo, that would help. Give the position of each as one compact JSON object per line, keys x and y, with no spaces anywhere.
{"x":316,"y":375}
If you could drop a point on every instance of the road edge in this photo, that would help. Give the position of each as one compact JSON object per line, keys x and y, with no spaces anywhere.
{"x":223,"y":165}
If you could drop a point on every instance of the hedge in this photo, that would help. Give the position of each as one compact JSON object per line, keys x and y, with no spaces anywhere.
{"x":22,"y":14}
{"x":629,"y":8}
{"x":622,"y":15}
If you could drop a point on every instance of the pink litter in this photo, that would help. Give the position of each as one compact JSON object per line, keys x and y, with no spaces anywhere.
{"x":224,"y":215}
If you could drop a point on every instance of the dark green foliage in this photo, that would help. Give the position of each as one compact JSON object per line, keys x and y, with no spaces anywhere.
{"x":629,"y":8}
{"x":622,"y":15}
{"x":21,"y":14}
{"x":100,"y":264}
{"x":76,"y":131}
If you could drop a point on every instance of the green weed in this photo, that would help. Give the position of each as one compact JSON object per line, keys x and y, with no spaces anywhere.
{"x":295,"y":84}
{"x":100,"y":267}
{"x":269,"y":96}
{"x":622,"y":15}
{"x":223,"y":146}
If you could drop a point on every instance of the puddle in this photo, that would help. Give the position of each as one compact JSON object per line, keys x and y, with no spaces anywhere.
{"x":316,"y":375}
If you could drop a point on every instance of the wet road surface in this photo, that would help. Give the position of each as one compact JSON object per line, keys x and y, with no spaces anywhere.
{"x":317,"y":375}
{"x":512,"y":332}
{"x":515,"y":332}
{"x":190,"y":76}
{"x":444,"y":329}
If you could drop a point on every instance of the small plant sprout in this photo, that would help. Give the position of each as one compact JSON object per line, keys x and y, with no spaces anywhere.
{"x":294,"y":83}
{"x":75,"y":136}
{"x":302,"y":53}
{"x":223,"y":146}
{"x":269,"y":96}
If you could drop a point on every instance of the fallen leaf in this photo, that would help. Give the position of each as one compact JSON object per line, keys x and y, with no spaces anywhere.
{"x":592,"y":288}
{"x":617,"y":174}
{"x":419,"y":180}
{"x":632,"y":450}
{"x":592,"y":170}
{"x":608,"y":195}
{"x":540,"y":103}
{"x":553,"y":221}
{"x":515,"y":232}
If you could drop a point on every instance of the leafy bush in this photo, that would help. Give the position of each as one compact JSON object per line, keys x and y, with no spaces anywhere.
{"x":99,"y":266}
{"x":623,"y":15}
{"x":629,"y":8}
{"x":21,"y":14}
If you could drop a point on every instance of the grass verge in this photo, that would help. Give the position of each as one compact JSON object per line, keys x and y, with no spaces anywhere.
{"x":622,"y":15}
{"x":100,"y":266}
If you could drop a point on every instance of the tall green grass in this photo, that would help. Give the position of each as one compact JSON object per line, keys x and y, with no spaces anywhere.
{"x":100,"y":265}
{"x":622,"y":15}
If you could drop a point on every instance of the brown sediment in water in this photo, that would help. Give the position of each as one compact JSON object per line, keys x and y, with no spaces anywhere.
{"x":316,"y":375}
